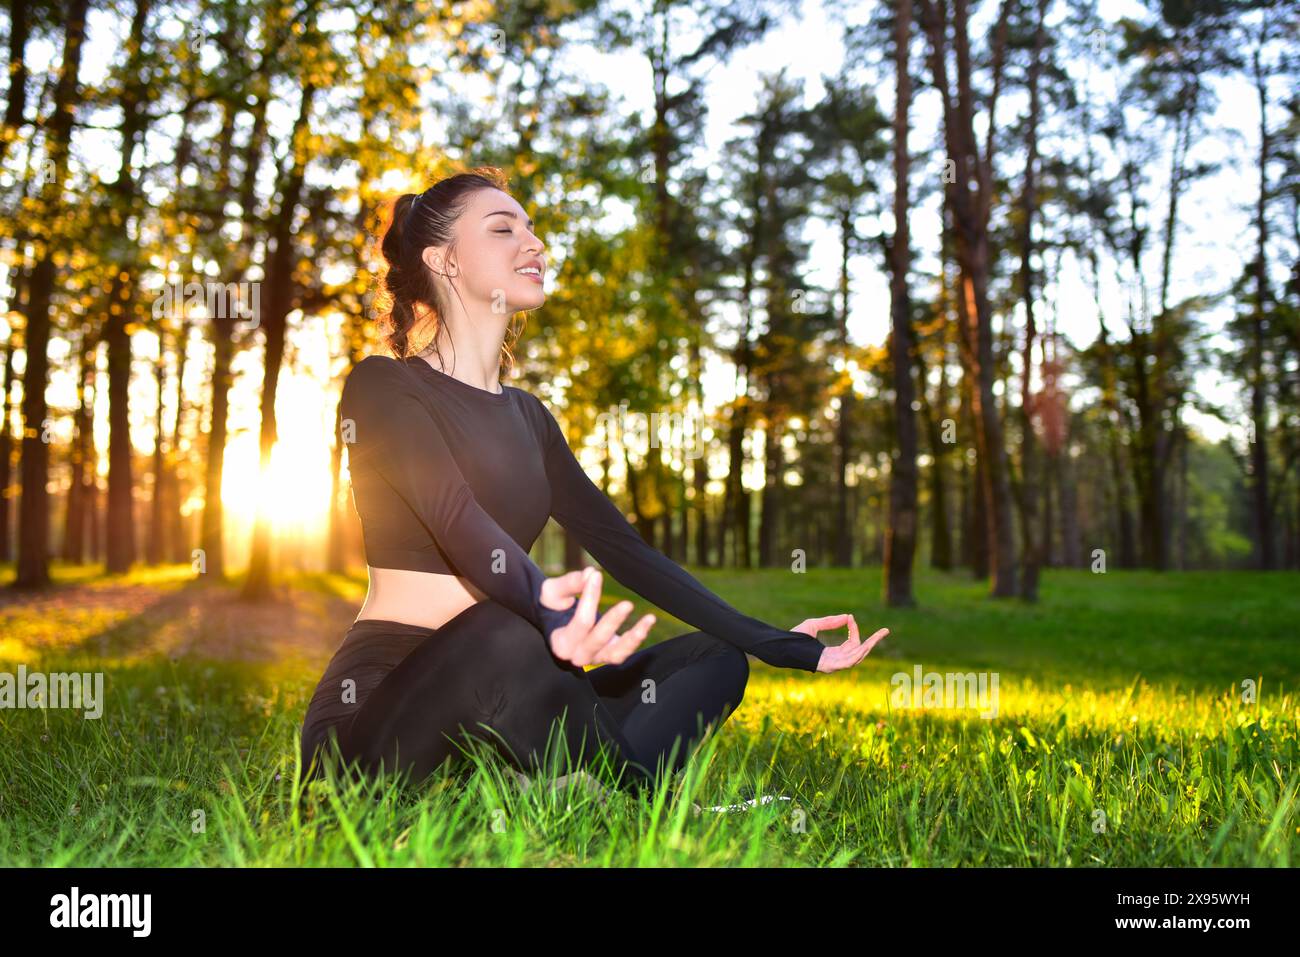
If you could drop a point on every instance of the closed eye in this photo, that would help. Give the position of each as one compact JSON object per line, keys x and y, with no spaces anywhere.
{"x":503,"y":230}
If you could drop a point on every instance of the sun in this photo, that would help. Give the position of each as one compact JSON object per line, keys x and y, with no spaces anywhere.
{"x":294,"y":492}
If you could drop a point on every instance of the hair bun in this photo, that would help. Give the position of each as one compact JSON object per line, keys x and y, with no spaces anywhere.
{"x":392,"y":244}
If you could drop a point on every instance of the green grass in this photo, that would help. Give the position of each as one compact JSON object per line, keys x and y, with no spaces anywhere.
{"x":1120,"y":701}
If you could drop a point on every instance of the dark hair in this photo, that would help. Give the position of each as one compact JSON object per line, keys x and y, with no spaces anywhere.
{"x":415,"y":222}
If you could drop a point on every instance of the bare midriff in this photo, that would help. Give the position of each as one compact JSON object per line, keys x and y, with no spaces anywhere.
{"x":428,"y":599}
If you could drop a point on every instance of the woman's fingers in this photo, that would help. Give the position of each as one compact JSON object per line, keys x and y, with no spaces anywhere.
{"x":589,"y":602}
{"x":569,"y":641}
{"x":871,"y":642}
{"x":572,"y":581}
{"x":811,"y":626}
{"x":848,"y":654}
{"x":854,"y":635}
{"x":604,"y":629}
{"x":558,"y":592}
{"x":832,"y":621}
{"x":595,"y":639}
{"x":617,"y":651}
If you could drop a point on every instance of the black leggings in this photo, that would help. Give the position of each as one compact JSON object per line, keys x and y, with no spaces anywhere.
{"x":490,"y":673}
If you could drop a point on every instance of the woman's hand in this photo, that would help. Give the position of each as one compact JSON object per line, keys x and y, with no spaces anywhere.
{"x":584,"y":640}
{"x":838,"y":657}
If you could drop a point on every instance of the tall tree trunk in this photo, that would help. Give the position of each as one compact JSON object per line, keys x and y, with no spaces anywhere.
{"x":1061,"y":464}
{"x":16,"y":101}
{"x":94,"y":497}
{"x":680,"y":504}
{"x":1265,"y":555}
{"x":900,"y":540}
{"x":739,"y":518}
{"x":33,"y":520}
{"x":700,"y":465}
{"x":980,"y":531}
{"x":1030,"y":489}
{"x":981,"y":567}
{"x":1158,"y":404}
{"x":19,"y":285}
{"x":971,"y":216}
{"x":157,"y":525}
{"x":941,"y":543}
{"x":76,"y":516}
{"x":965,"y":515}
{"x":1112,"y":419}
{"x":772,"y":498}
{"x":121,"y":483}
{"x":736,"y":497}
{"x":177,"y":534}
{"x":121,"y":516}
{"x":7,"y":443}
{"x":212,"y":552}
{"x":1068,"y":503}
{"x":1128,"y":553}
{"x":1180,"y":515}
{"x":280,"y":302}
{"x":843,"y":533}
{"x":1051,"y":545}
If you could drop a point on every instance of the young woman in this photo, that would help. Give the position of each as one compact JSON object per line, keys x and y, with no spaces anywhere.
{"x":454,"y":475}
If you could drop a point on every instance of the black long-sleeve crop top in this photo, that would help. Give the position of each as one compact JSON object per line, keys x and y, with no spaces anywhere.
{"x":451,"y":478}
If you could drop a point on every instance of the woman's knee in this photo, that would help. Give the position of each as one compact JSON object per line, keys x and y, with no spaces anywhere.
{"x":734,"y":661}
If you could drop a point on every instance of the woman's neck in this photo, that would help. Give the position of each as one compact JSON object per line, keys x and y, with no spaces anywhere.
{"x":481,"y":376}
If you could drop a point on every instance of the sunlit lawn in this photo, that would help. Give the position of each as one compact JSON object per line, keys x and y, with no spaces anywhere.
{"x":1123,"y":736}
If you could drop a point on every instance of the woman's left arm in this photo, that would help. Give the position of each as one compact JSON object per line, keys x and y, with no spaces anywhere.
{"x":582,"y":508}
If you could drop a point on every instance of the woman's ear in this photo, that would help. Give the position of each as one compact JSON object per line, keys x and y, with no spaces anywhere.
{"x":434,"y":257}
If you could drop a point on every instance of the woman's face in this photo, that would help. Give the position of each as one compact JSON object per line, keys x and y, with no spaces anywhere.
{"x":494,"y":241}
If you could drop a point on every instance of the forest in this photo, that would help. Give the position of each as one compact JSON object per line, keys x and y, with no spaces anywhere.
{"x":1052,"y":246}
